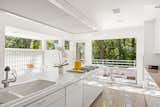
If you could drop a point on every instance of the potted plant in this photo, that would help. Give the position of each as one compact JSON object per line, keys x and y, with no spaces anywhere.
{"x":62,"y":56}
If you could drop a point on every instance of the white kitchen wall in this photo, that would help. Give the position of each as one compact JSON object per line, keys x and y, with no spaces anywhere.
{"x":150,"y":58}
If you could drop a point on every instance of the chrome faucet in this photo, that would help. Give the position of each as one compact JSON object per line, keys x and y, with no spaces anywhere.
{"x":6,"y":81}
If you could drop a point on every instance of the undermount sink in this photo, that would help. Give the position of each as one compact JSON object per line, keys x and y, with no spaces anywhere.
{"x":18,"y":91}
{"x":31,"y":87}
{"x":6,"y":97}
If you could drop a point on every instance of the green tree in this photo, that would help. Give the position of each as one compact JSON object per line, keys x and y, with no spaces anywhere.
{"x":15,"y":42}
{"x":51,"y":44}
{"x":114,"y":49}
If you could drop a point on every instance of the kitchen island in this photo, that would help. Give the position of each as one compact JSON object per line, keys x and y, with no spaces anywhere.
{"x":65,"y":90}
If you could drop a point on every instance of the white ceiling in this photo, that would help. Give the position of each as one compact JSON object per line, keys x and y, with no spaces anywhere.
{"x":44,"y":12}
{"x":133,"y":13}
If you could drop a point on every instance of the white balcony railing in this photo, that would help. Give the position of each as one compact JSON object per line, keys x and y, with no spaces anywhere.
{"x":115,"y":63}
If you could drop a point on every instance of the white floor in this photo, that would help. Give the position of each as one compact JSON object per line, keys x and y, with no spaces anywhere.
{"x":123,"y":96}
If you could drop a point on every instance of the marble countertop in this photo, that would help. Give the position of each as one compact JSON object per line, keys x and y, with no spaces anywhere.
{"x":155,"y":75}
{"x":62,"y":81}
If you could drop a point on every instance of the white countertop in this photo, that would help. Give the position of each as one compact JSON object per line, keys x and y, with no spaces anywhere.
{"x":62,"y":81}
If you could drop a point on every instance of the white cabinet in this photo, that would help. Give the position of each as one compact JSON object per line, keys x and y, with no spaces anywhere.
{"x":74,"y":95}
{"x":157,"y":35}
{"x":92,"y":88}
{"x":56,"y":99}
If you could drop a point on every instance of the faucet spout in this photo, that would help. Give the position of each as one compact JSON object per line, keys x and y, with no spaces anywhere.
{"x":8,"y":80}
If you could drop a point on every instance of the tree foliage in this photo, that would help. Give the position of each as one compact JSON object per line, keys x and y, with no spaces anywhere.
{"x":66,"y":45}
{"x":51,"y":44}
{"x":114,"y":49}
{"x":80,"y":51}
{"x":16,"y":42}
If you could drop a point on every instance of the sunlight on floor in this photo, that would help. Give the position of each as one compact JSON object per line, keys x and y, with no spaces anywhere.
{"x":121,"y":96}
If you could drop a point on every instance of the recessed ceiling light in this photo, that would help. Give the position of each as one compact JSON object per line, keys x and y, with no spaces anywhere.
{"x":116,"y":11}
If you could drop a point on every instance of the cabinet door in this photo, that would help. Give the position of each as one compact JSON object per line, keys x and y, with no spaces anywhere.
{"x":74,"y":95}
{"x":91,"y":92}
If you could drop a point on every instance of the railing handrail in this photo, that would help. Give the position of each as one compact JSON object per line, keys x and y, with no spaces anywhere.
{"x":125,"y":63}
{"x":113,"y":60}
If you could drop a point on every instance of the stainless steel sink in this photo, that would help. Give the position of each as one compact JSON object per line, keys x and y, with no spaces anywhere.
{"x":31,"y":87}
{"x":18,"y":91}
{"x":6,"y":97}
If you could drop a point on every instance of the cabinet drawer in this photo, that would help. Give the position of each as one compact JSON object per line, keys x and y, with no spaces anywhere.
{"x":44,"y":102}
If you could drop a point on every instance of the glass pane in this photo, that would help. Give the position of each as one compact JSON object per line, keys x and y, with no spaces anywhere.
{"x":15,"y":42}
{"x":80,"y":51}
{"x":114,"y":49}
{"x":66,"y":45}
{"x":52,"y":44}
{"x":114,"y":52}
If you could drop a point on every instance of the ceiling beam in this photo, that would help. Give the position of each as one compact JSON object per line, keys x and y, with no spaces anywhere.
{"x":71,"y":10}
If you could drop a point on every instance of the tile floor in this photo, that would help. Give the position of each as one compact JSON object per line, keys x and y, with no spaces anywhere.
{"x":120,"y":96}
